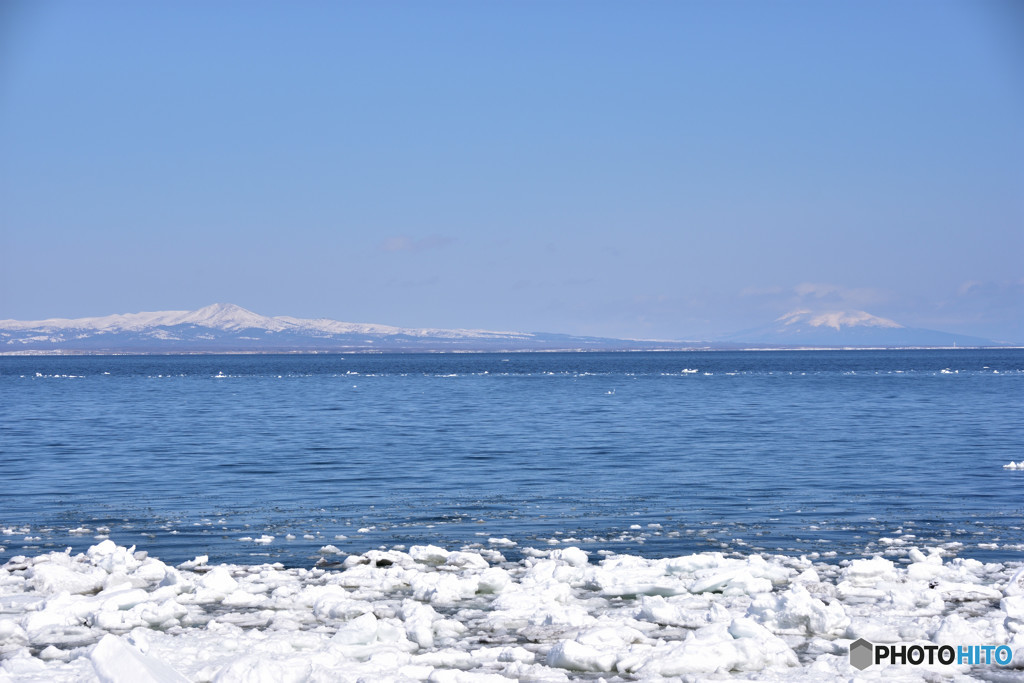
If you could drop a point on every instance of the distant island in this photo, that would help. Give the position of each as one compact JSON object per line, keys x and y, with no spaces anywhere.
{"x":227,"y":328}
{"x":846,"y":329}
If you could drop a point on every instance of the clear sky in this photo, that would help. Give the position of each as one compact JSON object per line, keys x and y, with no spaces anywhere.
{"x":632,"y":169}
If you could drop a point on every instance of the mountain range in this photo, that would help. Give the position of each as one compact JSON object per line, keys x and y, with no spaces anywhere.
{"x":227,"y":328}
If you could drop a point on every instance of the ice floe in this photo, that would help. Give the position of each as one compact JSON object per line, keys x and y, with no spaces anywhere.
{"x":434,"y":614}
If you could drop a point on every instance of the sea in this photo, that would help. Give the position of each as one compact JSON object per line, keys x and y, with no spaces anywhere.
{"x":302,"y":459}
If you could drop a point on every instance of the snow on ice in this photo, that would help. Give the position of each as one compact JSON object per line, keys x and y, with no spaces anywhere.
{"x":431,"y":614}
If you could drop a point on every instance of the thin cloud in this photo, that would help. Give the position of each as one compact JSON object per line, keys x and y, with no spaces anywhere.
{"x":406,"y":243}
{"x":816,"y":290}
{"x":814,"y":296}
{"x":967,"y":287}
{"x":415,"y":283}
{"x":983,"y":308}
{"x":816,"y":293}
{"x":761,"y":291}
{"x":998,"y":294}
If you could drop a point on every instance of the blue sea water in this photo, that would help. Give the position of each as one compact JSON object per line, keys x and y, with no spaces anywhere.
{"x":832,"y":452}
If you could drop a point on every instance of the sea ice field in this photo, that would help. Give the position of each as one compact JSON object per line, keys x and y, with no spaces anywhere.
{"x":429,"y":614}
{"x":546,"y":517}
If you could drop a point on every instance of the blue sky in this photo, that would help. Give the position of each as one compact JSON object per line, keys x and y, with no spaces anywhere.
{"x":651,"y":169}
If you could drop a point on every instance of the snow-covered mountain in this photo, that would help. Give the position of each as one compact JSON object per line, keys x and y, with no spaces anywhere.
{"x":227,"y":318}
{"x":848,"y":329}
{"x":227,"y":327}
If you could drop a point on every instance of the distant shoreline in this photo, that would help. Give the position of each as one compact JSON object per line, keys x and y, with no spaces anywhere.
{"x":399,"y":352}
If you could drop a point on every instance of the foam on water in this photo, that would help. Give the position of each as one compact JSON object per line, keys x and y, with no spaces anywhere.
{"x":429,"y":613}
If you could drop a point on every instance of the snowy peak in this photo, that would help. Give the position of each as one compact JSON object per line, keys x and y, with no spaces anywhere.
{"x":225,"y":313}
{"x":853,"y":329}
{"x":837,"y":320}
{"x":230,"y":317}
{"x":215,"y":316}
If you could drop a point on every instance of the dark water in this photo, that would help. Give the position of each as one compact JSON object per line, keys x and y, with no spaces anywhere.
{"x":794,"y":452}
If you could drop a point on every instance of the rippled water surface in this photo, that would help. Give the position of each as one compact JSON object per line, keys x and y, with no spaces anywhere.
{"x":652,"y":453}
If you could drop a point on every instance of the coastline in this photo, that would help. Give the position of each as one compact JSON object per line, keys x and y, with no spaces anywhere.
{"x":58,"y":353}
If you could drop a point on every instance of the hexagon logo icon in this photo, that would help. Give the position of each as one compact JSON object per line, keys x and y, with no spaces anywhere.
{"x":861,"y":653}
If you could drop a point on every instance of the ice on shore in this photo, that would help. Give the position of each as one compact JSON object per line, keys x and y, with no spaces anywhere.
{"x":433,"y":614}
